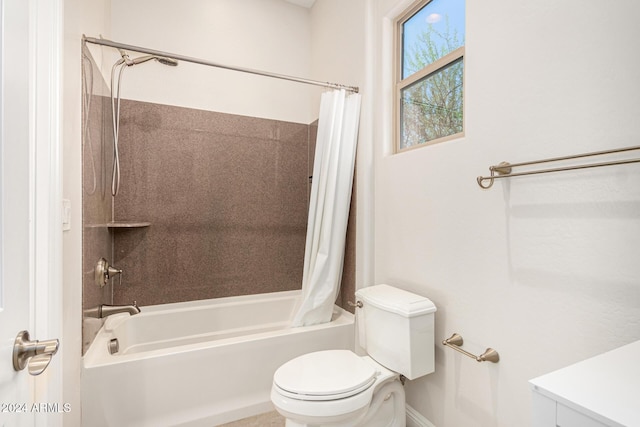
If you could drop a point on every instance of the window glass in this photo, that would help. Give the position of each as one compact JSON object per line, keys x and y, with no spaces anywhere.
{"x":431,"y":108}
{"x":431,"y":33}
{"x":430,"y":73}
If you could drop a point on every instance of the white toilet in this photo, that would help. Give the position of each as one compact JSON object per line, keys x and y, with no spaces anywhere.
{"x":338,"y":388}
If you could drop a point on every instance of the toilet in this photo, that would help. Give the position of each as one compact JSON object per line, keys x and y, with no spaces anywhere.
{"x":338,"y":388}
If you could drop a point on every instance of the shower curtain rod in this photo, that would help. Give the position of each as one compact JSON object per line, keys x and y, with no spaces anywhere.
{"x":110,"y":43}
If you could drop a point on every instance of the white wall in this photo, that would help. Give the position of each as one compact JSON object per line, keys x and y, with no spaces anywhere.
{"x":544,"y":269}
{"x":269,"y":35}
{"x":337,"y":43}
{"x":338,"y":53}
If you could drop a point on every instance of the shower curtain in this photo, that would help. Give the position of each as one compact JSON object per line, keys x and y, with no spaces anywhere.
{"x":329,"y":206}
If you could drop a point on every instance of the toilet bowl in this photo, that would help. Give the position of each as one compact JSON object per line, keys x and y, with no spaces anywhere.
{"x":337,"y":388}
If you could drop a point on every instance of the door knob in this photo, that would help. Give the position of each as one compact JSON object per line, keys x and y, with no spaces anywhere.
{"x":35,"y":354}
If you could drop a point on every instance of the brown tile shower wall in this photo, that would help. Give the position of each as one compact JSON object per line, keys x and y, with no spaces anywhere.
{"x":226,"y":197}
{"x":97,"y":161}
{"x":348,"y":284}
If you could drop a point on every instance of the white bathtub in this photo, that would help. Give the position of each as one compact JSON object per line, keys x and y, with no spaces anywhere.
{"x":200,"y":363}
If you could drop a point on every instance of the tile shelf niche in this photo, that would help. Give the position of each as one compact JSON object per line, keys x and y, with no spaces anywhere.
{"x":127,"y":224}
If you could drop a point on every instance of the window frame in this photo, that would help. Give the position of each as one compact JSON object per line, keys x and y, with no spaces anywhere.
{"x":400,"y":84}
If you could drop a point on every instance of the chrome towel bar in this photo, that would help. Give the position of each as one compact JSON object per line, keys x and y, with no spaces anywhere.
{"x":504,"y":169}
{"x":455,"y":341}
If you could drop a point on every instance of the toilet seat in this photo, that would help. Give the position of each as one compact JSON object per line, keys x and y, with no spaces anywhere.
{"x":324,"y":375}
{"x":347,"y":399}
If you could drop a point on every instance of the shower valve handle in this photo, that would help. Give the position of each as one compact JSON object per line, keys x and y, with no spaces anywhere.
{"x":103,"y":272}
{"x":112,"y":271}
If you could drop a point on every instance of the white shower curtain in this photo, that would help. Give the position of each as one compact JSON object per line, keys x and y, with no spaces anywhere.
{"x":329,"y":206}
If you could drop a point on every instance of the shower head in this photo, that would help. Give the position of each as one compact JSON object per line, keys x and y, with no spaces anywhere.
{"x":142,"y":59}
{"x":161,"y":59}
{"x":167,"y":61}
{"x":116,"y":79}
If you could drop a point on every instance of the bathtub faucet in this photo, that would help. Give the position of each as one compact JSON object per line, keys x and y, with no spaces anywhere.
{"x":105,"y":310}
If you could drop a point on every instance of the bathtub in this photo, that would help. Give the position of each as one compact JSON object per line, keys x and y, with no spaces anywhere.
{"x":199,"y":363}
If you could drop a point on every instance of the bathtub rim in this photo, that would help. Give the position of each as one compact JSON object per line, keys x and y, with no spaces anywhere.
{"x":97,"y":354}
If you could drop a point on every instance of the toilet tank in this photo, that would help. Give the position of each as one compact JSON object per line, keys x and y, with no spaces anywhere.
{"x":396,"y":328}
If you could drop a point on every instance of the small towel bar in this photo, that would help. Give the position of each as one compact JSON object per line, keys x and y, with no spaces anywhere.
{"x":455,"y":341}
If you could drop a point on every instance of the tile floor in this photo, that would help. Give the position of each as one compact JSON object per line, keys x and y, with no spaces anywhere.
{"x":269,"y":419}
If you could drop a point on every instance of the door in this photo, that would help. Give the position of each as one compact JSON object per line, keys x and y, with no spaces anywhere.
{"x":15,"y":280}
{"x":24,"y":223}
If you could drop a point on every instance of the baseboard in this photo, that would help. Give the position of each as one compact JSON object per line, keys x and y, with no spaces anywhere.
{"x":416,"y":419}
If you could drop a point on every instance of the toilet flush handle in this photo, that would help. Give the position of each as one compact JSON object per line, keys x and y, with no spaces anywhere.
{"x":356,"y":304}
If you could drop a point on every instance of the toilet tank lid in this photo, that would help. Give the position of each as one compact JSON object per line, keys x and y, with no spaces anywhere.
{"x":395,"y":300}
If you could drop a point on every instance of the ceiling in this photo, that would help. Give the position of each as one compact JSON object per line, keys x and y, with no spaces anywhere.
{"x":303,"y":3}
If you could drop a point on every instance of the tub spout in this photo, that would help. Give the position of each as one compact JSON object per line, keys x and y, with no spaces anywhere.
{"x":105,"y":310}
{"x":108,"y":310}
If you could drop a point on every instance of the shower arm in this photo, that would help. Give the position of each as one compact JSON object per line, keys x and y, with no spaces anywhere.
{"x":120,"y":46}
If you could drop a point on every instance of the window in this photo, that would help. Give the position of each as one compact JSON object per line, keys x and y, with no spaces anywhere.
{"x":430,"y":73}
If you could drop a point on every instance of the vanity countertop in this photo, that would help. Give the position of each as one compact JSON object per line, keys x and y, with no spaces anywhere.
{"x":605,"y":387}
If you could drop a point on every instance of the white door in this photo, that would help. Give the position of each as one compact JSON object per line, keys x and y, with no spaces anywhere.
{"x":15,"y":281}
{"x":20,"y":199}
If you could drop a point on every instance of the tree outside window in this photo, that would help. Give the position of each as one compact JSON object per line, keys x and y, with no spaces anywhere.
{"x":431,"y":73}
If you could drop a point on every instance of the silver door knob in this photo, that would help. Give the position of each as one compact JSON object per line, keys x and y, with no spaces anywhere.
{"x":35,"y":354}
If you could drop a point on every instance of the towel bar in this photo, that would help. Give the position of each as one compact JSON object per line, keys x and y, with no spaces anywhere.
{"x":505,"y":169}
{"x":455,"y":341}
